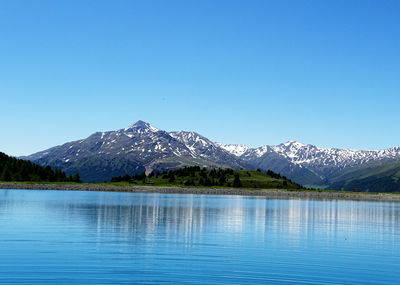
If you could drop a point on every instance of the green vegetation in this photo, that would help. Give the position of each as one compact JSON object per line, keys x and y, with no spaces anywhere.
{"x":381,"y":176}
{"x":196,"y":176}
{"x":13,"y":169}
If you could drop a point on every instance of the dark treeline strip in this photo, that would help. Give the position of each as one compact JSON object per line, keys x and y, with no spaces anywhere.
{"x":197,"y":176}
{"x":206,"y":177}
{"x":13,"y":169}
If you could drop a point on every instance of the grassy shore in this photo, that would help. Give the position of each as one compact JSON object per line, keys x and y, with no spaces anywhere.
{"x":270,"y":193}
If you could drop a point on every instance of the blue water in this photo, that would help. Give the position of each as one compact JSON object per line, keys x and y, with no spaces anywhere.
{"x":66,"y":237}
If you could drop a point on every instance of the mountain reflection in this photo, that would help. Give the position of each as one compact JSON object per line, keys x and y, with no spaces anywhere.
{"x":188,"y":216}
{"x":120,"y":238}
{"x":168,"y":215}
{"x":194,"y":217}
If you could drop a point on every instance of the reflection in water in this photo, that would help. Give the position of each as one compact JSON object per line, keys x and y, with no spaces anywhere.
{"x":224,"y":239}
{"x":186,"y":216}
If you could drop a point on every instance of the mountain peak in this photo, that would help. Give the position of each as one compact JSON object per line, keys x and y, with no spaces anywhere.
{"x":142,"y":127}
{"x":236,"y":149}
{"x":139,"y":123}
{"x":293,"y":143}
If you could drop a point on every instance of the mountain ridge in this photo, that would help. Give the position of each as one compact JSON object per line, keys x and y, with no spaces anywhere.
{"x":137,"y":148}
{"x":321,"y":161}
{"x":143,"y":147}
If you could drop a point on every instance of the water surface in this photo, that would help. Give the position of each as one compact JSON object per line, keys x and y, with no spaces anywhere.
{"x":64,"y":237}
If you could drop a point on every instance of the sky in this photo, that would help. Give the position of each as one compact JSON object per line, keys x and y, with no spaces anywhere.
{"x":245,"y":72}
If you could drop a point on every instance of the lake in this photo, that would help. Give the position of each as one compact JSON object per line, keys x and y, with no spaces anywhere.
{"x":70,"y":237}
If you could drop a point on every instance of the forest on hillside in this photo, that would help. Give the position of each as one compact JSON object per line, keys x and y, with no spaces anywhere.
{"x":14,"y":169}
{"x":197,"y":176}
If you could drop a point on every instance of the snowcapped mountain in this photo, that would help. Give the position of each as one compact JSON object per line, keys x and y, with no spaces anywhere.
{"x":310,"y":155}
{"x":235,"y":149}
{"x":143,"y":147}
{"x":140,"y":147}
{"x":321,"y":162}
{"x":202,"y":147}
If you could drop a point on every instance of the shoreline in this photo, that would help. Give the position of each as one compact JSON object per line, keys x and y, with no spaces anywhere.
{"x":269,"y":193}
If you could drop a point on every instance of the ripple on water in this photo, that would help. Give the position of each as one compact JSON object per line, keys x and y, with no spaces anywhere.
{"x":120,"y":238}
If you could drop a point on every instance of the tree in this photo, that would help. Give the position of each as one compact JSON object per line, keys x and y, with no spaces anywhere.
{"x":189,"y":182}
{"x":201,"y":181}
{"x":236,"y":181}
{"x":76,"y":178}
{"x":222,"y":180}
{"x":6,"y":175}
{"x":213,"y":173}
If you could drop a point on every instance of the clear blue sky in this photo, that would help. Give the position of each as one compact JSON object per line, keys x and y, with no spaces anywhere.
{"x":251,"y":72}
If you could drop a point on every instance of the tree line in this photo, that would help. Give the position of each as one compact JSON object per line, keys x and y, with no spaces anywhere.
{"x":195,"y":176}
{"x":14,"y":169}
{"x":192,"y":176}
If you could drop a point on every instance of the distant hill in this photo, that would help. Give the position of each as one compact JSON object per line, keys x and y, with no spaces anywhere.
{"x":380,"y":176}
{"x":13,"y":169}
{"x":196,"y":176}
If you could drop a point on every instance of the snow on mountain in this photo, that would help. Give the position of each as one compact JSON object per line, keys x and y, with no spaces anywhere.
{"x":142,"y":146}
{"x":204,"y":148}
{"x":306,"y":154}
{"x":235,"y":149}
{"x":193,"y":141}
{"x":141,"y":128}
{"x":321,"y":161}
{"x":139,"y":147}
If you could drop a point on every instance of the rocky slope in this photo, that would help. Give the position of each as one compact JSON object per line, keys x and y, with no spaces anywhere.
{"x":309,"y":164}
{"x":142,"y":147}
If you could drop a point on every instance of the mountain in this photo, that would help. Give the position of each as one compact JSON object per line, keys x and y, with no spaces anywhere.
{"x":140,"y":147}
{"x":266,"y":158}
{"x":311,"y":165}
{"x":202,"y":147}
